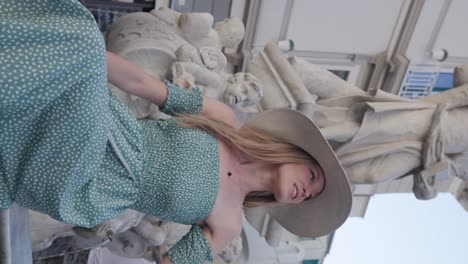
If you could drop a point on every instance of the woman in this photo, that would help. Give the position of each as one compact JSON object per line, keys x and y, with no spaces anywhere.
{"x":71,"y":150}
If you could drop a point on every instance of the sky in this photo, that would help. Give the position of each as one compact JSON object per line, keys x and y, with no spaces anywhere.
{"x":399,"y":229}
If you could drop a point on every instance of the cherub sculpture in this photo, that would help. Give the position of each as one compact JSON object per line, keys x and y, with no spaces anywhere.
{"x":131,"y":235}
{"x":165,"y":41}
{"x":203,"y":69}
{"x":151,"y":237}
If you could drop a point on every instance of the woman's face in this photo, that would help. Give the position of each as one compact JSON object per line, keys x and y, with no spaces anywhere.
{"x":296,"y":182}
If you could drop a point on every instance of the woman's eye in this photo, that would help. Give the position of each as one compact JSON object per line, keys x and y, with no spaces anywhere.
{"x":312,"y":176}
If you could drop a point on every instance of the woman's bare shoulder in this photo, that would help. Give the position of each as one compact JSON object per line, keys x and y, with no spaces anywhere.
{"x":229,"y":201}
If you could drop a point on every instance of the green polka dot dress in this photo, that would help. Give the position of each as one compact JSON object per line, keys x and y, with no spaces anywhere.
{"x":54,"y":114}
{"x":71,"y":150}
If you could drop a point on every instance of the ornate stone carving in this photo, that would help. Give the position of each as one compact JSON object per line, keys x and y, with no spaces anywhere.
{"x":238,"y":90}
{"x":169,"y":44}
{"x":196,"y":28}
{"x":376,"y":138}
{"x":131,"y":235}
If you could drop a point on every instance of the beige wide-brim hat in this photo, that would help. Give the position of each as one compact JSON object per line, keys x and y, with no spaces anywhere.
{"x":328,"y":211}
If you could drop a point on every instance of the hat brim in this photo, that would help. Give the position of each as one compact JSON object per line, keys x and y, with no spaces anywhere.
{"x":328,"y":211}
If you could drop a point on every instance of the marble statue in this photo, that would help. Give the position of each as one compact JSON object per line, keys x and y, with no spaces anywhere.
{"x":382,"y":137}
{"x":238,"y":90}
{"x":153,"y":236}
{"x":204,"y":68}
{"x":210,"y":58}
{"x":327,"y":86}
{"x":149,"y":239}
{"x":241,"y":89}
{"x":372,"y":143}
{"x":131,"y":235}
{"x":44,"y":230}
{"x":182,"y":46}
{"x":209,"y":62}
{"x":119,"y":224}
{"x":197,"y":28}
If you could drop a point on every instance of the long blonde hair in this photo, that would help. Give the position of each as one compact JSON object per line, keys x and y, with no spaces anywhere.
{"x":253,"y":144}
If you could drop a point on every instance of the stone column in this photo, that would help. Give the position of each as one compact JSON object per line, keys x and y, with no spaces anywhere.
{"x":15,"y":244}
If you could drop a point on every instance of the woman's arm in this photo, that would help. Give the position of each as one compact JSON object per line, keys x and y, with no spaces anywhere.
{"x":132,"y":79}
{"x":217,"y":240}
{"x":220,"y":237}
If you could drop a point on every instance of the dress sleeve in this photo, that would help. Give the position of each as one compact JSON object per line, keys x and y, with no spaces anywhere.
{"x":193,"y":248}
{"x":181,"y":100}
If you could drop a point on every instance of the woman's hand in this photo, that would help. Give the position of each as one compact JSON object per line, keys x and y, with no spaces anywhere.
{"x":183,"y":83}
{"x":181,"y":77}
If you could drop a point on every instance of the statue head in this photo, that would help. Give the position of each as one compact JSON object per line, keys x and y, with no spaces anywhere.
{"x":242,"y":90}
{"x":230,"y":31}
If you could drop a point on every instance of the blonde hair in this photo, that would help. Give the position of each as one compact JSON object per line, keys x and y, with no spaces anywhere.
{"x":254,"y":144}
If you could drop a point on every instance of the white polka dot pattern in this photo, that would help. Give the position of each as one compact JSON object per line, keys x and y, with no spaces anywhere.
{"x":181,"y":100}
{"x":180,"y":177}
{"x":54,"y":114}
{"x":193,"y":248}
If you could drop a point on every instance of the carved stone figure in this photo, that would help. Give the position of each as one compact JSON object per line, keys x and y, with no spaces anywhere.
{"x":143,"y":31}
{"x":382,"y":137}
{"x":242,"y":89}
{"x":238,"y":90}
{"x":153,"y":236}
{"x":131,"y":235}
{"x":207,"y":58}
{"x":51,"y":238}
{"x":203,"y":68}
{"x":196,"y":28}
{"x":122,"y":223}
{"x":43,"y":230}
{"x":375,"y":146}
{"x":226,"y":34}
{"x":327,"y":86}
{"x":130,"y":245}
{"x":149,"y":239}
{"x":157,"y":39}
